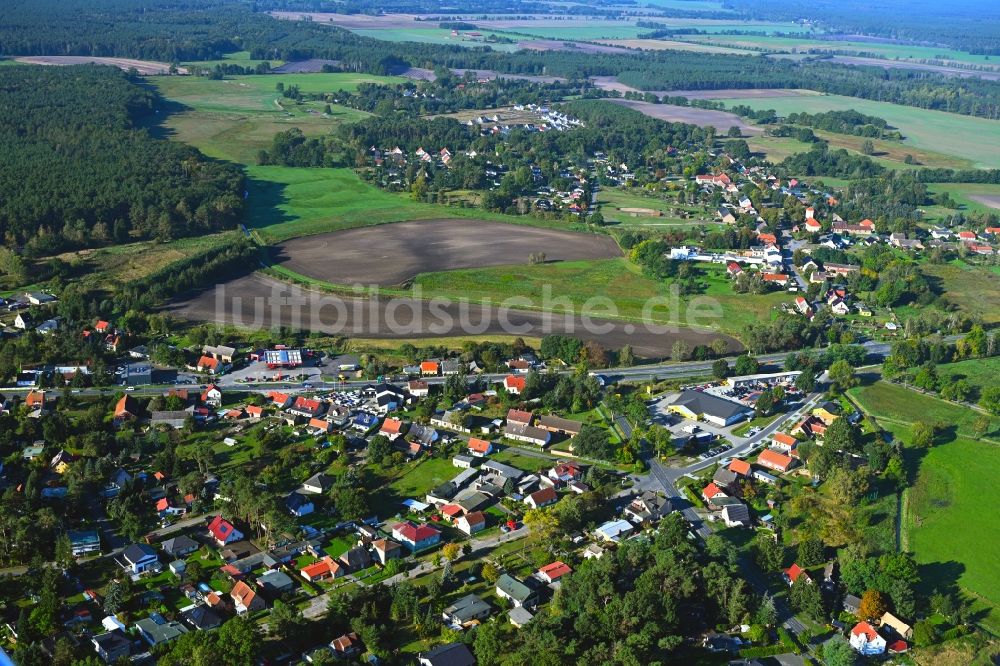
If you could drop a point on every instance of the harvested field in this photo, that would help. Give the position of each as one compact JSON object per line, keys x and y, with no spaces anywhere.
{"x":576,"y":47}
{"x":903,"y":64}
{"x":721,"y":120}
{"x":993,"y":201}
{"x":357,"y":21}
{"x":670,"y":45}
{"x":310,"y":66}
{"x":255,"y":302}
{"x":146,"y":67}
{"x":391,"y":254}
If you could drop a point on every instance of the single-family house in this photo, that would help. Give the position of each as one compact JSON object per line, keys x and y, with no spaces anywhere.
{"x":305,"y":407}
{"x":392,"y":429}
{"x":324,"y":569}
{"x":480,"y":447}
{"x":736,"y":514}
{"x":179,"y":546}
{"x":430,"y":368}
{"x":299,"y":504}
{"x":127,"y":408}
{"x":740,"y":467}
{"x":387,"y":549}
{"x":526,"y":433}
{"x":519,"y":416}
{"x":418,"y":388}
{"x":514,"y":384}
{"x":245,"y":598}
{"x":550,"y":573}
{"x":451,"y":654}
{"x":112,"y":646}
{"x":794,"y":573}
{"x":471,"y":523}
{"x":774,"y":460}
{"x":648,"y":507}
{"x":223,"y":532}
{"x":208,"y":364}
{"x":712,"y":492}
{"x":866,"y":640}
{"x":518,"y":593}
{"x":614,"y":530}
{"x":157,"y":630}
{"x":540,"y":498}
{"x":782,"y":442}
{"x":467,"y":611}
{"x":318,"y":484}
{"x":139,"y":558}
{"x":416,"y":537}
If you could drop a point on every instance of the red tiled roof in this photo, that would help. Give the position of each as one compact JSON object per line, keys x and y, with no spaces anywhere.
{"x":711,"y":490}
{"x":429,"y":366}
{"x":519,"y":416}
{"x":514,"y":382}
{"x":207,"y":362}
{"x":775,"y":277}
{"x":793,"y":572}
{"x":254,"y":410}
{"x":392,"y":426}
{"x":768,"y":457}
{"x":220,"y":528}
{"x":307,"y":404}
{"x":475,"y":518}
{"x":543,"y":496}
{"x":451,"y":510}
{"x":866,"y":629}
{"x":741,"y":467}
{"x":782,"y":438}
{"x":415,"y":533}
{"x":555,"y":570}
{"x":479,"y":445}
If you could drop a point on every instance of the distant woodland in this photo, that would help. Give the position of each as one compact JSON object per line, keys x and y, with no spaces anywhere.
{"x":185,"y":30}
{"x":78,"y":172}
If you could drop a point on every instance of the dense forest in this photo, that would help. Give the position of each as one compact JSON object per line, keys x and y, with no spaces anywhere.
{"x":78,"y":172}
{"x":968,"y":26}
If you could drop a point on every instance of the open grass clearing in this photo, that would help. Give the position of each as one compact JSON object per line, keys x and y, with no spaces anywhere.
{"x":235,"y":118}
{"x":897,"y":404}
{"x":635,"y":207}
{"x":950,"y":134}
{"x":973,"y":288}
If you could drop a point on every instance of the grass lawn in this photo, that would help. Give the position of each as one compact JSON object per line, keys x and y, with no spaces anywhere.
{"x":614,"y":200}
{"x":236,"y":117}
{"x":338,"y":546}
{"x":241,"y":58}
{"x":892,"y":403}
{"x":980,"y":372}
{"x":414,"y":482}
{"x":974,"y":289}
{"x":616,"y":279}
{"x":943,"y":521}
{"x":962,"y":137}
{"x":519,"y":460}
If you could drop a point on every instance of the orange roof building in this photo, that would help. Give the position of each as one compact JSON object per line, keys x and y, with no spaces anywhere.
{"x":774,"y":460}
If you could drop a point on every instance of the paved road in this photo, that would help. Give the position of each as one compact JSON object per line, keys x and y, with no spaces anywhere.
{"x":657,"y":371}
{"x":317,"y":605}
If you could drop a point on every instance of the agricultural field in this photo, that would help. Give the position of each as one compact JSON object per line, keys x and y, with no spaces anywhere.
{"x":236,"y":117}
{"x":394,"y":254}
{"x":241,"y":58}
{"x":670,"y":45}
{"x":972,"y":197}
{"x":287,"y":202}
{"x":961,"y":137}
{"x":805,"y":44}
{"x":435,"y":35}
{"x":616,"y":279}
{"x":721,"y":120}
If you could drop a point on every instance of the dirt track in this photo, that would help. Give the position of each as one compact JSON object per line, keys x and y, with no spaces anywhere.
{"x":721,"y":120}
{"x":141,"y":66}
{"x":259,"y":302}
{"x":390,"y":254}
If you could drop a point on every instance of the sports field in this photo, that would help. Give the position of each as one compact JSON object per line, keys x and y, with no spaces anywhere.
{"x":236,"y":117}
{"x":961,"y":137}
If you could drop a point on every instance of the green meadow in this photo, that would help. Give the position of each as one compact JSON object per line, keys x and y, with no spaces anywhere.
{"x":616,"y":279}
{"x":434,"y":36}
{"x":944,"y":519}
{"x":962,"y":137}
{"x":234,"y":118}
